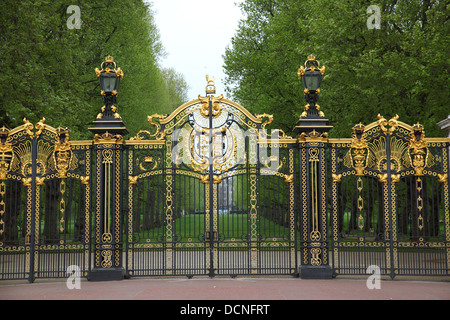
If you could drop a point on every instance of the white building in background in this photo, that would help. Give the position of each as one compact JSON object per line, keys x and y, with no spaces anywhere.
{"x":445,"y":125}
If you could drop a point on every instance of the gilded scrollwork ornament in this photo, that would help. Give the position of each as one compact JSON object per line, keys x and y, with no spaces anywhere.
{"x":108,"y":138}
{"x":155,"y":121}
{"x":269,"y":120}
{"x":40,"y":181}
{"x":395,"y":178}
{"x":383,"y":123}
{"x":313,"y":136}
{"x":289,"y":178}
{"x":85,"y":180}
{"x":63,"y":155}
{"x":216,"y":107}
{"x":383,"y":177}
{"x":158,"y":134}
{"x":443,"y":178}
{"x":337,"y":177}
{"x":418,"y":149}
{"x":132,"y":180}
{"x":210,"y":91}
{"x":6,"y":153}
{"x":359,"y":149}
{"x":40,"y":126}
{"x":28,"y":126}
{"x":217,"y":179}
{"x":27,"y":182}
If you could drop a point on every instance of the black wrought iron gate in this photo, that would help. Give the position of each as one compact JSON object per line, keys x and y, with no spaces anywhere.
{"x":390,"y":201}
{"x":207,"y":191}
{"x":194,"y":195}
{"x":45,"y":224}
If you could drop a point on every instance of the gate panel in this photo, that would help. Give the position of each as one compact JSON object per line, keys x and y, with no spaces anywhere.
{"x":168,"y":214}
{"x":277,"y":228}
{"x":63,"y":220}
{"x":359,"y":225}
{"x":15,"y":203}
{"x":363,"y":202}
{"x":233,"y":223}
{"x":314,"y":250}
{"x":251,"y":238}
{"x":45,"y":203}
{"x":422,"y":210}
{"x":195,"y":189}
{"x":389,"y":198}
{"x":15,"y":241}
{"x":235,"y":195}
{"x":62,"y":216}
{"x":64,"y":228}
{"x":146,"y":221}
{"x":190,"y":223}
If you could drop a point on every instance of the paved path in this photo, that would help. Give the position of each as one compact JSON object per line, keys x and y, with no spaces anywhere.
{"x":228,"y":289}
{"x":225,"y":298}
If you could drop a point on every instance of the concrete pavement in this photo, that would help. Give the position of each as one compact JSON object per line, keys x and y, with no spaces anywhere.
{"x":225,"y":298}
{"x":240,"y":288}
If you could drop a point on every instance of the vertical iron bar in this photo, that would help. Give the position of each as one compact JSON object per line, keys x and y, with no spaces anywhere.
{"x":446,"y":204}
{"x":324,"y":199}
{"x":211,"y":191}
{"x":296,"y":210}
{"x":127,"y":213}
{"x":31,"y":277}
{"x":390,"y":204}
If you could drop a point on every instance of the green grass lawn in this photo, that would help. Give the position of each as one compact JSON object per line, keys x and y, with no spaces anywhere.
{"x":192,"y":227}
{"x":236,"y":227}
{"x":352,"y":232}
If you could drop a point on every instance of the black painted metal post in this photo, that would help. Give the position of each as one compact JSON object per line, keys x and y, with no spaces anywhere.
{"x":312,"y":130}
{"x":211,"y":190}
{"x":32,"y":237}
{"x":390,"y":232}
{"x":312,"y":209}
{"x":108,"y":150}
{"x":108,"y":194}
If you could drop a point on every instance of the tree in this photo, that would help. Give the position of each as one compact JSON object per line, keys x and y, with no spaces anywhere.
{"x":48,"y":69}
{"x":400,"y":69}
{"x":177,"y":87}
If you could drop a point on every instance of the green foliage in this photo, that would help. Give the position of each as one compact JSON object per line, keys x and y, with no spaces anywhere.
{"x":400,"y":69}
{"x":177,"y":87}
{"x":48,"y":69}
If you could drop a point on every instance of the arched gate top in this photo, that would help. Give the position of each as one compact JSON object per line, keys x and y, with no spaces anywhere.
{"x":222,"y":110}
{"x":234,"y":107}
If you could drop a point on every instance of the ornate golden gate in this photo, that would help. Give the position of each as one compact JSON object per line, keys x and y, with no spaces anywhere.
{"x":199,"y":203}
{"x":390,"y":200}
{"x":208,"y":191}
{"x":45,"y":191}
